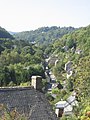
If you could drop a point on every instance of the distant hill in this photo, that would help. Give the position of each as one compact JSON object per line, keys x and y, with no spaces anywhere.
{"x":4,"y":33}
{"x":12,"y":33}
{"x":44,"y":35}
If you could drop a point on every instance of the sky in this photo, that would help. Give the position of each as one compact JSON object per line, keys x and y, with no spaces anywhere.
{"x":25,"y":15}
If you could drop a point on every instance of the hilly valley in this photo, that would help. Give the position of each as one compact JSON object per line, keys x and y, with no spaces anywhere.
{"x":64,"y":52}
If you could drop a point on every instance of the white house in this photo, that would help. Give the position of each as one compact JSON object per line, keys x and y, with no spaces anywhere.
{"x":78,"y":51}
{"x":68,"y":65}
{"x":65,"y":107}
{"x":56,"y":62}
{"x":69,"y":73}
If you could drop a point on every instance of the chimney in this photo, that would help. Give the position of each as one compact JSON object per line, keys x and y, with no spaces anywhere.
{"x":37,"y":82}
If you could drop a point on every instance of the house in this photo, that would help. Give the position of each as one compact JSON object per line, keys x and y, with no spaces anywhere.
{"x":68,"y":69}
{"x":52,"y":60}
{"x":57,"y":85}
{"x":68,"y":65}
{"x":60,"y":108}
{"x":69,"y":73}
{"x":26,"y":101}
{"x":65,"y":48}
{"x":73,"y":49}
{"x":56,"y":62}
{"x":65,"y":107}
{"x":78,"y":51}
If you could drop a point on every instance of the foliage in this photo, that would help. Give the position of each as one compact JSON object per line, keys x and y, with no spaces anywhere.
{"x":10,"y":115}
{"x":4,"y":33}
{"x":74,"y":47}
{"x":20,"y":59}
{"x":55,"y":91}
{"x":72,"y":117}
{"x":44,"y":35}
{"x":49,"y":97}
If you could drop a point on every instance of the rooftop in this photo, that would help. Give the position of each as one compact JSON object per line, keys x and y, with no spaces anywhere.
{"x":28,"y":101}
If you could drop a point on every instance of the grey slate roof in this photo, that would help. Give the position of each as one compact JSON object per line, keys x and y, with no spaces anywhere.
{"x":28,"y":101}
{"x":70,"y":101}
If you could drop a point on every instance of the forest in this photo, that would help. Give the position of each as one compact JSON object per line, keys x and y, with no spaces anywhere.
{"x":23,"y":55}
{"x":44,"y":35}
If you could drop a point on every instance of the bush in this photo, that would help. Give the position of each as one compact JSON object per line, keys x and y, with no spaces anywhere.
{"x":10,"y":115}
{"x":55,"y":91}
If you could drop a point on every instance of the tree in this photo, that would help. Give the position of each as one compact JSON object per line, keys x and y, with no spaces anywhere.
{"x":70,"y":43}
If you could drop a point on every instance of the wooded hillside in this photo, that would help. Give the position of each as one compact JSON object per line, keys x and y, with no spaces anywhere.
{"x":44,"y":35}
{"x":4,"y":33}
{"x":24,"y":56}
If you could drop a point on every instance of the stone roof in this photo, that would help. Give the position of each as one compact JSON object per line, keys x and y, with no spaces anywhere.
{"x":28,"y":101}
{"x":60,"y":104}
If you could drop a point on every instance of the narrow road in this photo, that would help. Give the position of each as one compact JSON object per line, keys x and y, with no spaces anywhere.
{"x":50,"y":77}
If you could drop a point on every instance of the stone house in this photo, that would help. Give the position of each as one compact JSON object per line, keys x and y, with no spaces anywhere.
{"x":27,"y":101}
{"x":69,"y":69}
{"x":68,"y":65}
{"x":52,"y":60}
{"x":65,"y":107}
{"x":78,"y":51}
